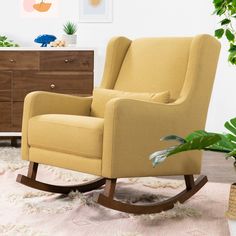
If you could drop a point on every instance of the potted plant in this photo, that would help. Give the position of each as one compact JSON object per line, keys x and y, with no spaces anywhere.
{"x":70,"y":37}
{"x":226,"y":10}
{"x":208,"y":141}
{"x":5,"y":42}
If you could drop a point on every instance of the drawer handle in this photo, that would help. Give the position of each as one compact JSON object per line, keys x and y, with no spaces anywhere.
{"x":52,"y":86}
{"x":68,"y":60}
{"x":12,"y":60}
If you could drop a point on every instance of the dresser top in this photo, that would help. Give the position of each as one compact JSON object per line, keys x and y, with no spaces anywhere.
{"x":45,"y":49}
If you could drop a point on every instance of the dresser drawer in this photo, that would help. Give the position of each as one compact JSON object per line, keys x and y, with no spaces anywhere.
{"x":75,"y":82}
{"x":5,"y":86}
{"x":19,"y":60}
{"x":67,"y":61}
{"x":17,"y":114}
{"x":5,"y":96}
{"x":5,"y":80}
{"x":5,"y":117}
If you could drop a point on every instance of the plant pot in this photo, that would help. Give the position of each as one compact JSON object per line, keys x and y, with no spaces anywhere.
{"x":70,"y":40}
{"x":231,"y":213}
{"x":232,"y":227}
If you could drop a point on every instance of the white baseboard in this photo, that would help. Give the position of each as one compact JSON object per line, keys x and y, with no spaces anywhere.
{"x":10,"y":134}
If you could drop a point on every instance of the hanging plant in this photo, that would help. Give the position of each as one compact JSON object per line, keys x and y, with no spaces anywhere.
{"x":226,"y":10}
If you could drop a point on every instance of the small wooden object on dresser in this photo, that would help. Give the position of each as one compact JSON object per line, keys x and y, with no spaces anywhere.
{"x":22,"y":71}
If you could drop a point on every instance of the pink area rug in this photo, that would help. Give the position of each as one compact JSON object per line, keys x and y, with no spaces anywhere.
{"x":24,"y":211}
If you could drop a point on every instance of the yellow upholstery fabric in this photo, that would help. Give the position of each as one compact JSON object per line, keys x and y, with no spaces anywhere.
{"x":102,"y":96}
{"x":131,"y":128}
{"x":64,"y":160}
{"x":78,"y":135}
{"x":38,"y":103}
{"x":116,"y":52}
{"x":124,"y":120}
{"x":155,"y":65}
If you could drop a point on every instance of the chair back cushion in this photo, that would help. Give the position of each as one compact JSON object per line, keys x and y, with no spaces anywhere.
{"x":102,"y":96}
{"x":154,"y":65}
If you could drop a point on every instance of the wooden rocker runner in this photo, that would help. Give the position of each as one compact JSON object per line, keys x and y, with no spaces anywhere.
{"x":151,"y":87}
{"x":107,"y":197}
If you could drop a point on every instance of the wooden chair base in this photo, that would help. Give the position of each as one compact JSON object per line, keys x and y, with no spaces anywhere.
{"x":86,"y":187}
{"x":106,"y":198}
{"x":31,"y":182}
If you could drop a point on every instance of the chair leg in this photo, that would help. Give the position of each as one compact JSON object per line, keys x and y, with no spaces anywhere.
{"x":32,"y":170}
{"x":30,"y":181}
{"x":189,"y":181}
{"x":14,"y":142}
{"x":110,"y":187}
{"x":106,"y":198}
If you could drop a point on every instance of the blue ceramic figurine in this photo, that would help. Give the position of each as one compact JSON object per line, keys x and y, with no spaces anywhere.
{"x":45,"y":39}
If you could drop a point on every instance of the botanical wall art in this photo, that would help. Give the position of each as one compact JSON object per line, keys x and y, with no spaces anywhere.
{"x":95,"y":11}
{"x":39,"y":8}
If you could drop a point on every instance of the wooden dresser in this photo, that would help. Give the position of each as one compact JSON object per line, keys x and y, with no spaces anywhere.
{"x":67,"y":71}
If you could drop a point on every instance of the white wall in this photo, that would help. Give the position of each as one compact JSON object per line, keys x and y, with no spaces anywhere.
{"x":134,"y":18}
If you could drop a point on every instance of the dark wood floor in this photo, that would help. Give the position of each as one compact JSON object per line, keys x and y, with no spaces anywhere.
{"x":217,"y":168}
{"x":214,"y":165}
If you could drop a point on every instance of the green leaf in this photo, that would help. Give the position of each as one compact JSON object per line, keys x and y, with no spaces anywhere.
{"x":232,"y":48}
{"x":233,"y":121}
{"x":232,"y":58}
{"x":234,"y":3}
{"x":3,"y":38}
{"x":231,"y":126}
{"x":70,"y":28}
{"x":224,"y":145}
{"x":225,"y":21}
{"x":229,"y":35}
{"x":160,"y":156}
{"x":197,"y":143}
{"x":219,"y":33}
{"x":231,"y":154}
{"x":231,"y":137}
{"x":173,"y":138}
{"x":195,"y":134}
{"x":218,"y":3}
{"x":221,"y":11}
{"x":231,"y":9}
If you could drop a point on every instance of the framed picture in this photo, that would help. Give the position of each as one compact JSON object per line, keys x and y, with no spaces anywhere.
{"x":95,"y":11}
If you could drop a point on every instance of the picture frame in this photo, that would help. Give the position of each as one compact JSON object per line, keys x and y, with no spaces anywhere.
{"x":95,"y":11}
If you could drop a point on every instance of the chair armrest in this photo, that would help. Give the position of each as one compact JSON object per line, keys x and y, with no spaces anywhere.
{"x":38,"y":103}
{"x":132,"y":131}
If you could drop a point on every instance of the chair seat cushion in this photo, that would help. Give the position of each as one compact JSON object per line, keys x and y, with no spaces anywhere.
{"x":80,"y":135}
